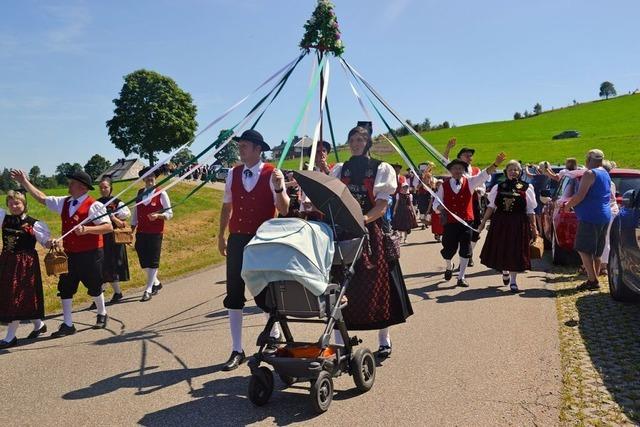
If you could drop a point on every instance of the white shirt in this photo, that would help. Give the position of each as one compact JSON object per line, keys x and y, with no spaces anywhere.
{"x":248,"y":182}
{"x":41,"y":230}
{"x":56,"y":203}
{"x":385,"y":184}
{"x":474,"y":182}
{"x":164,"y":201}
{"x":530,"y":198}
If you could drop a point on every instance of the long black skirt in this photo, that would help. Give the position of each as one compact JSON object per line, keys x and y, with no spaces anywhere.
{"x":21,"y":295}
{"x":377,"y":295}
{"x":507,"y":243}
{"x":116,"y":263}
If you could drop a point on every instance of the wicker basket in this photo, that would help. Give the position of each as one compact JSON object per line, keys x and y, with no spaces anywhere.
{"x":55,"y":262}
{"x":123,"y":235}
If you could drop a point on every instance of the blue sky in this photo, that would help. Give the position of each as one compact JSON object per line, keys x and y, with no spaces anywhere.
{"x":62,"y":62}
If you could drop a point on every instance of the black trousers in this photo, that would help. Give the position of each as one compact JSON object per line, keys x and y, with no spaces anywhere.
{"x":235,"y":285}
{"x":85,"y":267}
{"x":149,"y":247}
{"x":456,"y":237}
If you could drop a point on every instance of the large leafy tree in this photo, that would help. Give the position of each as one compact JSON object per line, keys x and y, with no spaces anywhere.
{"x":607,"y":90}
{"x":34,"y":176}
{"x":96,"y":165}
{"x":152,"y":114}
{"x":64,"y":169}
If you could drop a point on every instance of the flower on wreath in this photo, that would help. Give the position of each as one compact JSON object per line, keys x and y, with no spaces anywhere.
{"x":322,"y":31}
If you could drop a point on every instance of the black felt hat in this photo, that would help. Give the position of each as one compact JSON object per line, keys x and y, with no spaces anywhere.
{"x":466,"y":150}
{"x":156,"y":173}
{"x":253,"y":136}
{"x":82,"y":177}
{"x":454,"y":162}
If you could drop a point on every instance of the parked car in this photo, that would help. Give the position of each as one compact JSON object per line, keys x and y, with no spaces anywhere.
{"x":221,"y":174}
{"x":567,"y":134}
{"x":624,"y":258}
{"x":559,"y":227}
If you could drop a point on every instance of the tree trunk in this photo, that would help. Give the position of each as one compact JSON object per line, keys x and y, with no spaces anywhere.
{"x":151,"y":159}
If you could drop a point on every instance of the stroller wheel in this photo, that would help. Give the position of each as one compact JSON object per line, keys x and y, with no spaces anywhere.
{"x":322,"y":392}
{"x":261,"y":386}
{"x":287,"y":380}
{"x":363,"y":369}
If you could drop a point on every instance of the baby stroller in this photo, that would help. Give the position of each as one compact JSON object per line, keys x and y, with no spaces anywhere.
{"x":290,"y":259}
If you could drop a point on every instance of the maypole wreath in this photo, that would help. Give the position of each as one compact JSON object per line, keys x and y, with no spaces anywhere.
{"x":322,"y":31}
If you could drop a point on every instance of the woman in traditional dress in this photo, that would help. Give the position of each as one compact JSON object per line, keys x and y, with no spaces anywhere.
{"x":21,"y":296}
{"x":152,"y":210}
{"x":423,"y":197}
{"x":511,"y":206}
{"x":377,"y":294}
{"x":116,"y":264}
{"x":404,"y":216}
{"x":436,"y":225}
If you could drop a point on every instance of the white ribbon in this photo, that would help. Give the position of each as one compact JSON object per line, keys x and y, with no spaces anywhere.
{"x":316,"y":134}
{"x":306,"y":114}
{"x":400,"y":152}
{"x":424,"y":143}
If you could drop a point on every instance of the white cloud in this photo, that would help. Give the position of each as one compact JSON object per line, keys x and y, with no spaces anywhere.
{"x":68,"y":34}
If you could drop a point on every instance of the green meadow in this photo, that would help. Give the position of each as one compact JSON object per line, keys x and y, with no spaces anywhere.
{"x":612,"y":125}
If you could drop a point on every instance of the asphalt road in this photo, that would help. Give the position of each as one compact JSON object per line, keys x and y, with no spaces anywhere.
{"x":475,"y":356}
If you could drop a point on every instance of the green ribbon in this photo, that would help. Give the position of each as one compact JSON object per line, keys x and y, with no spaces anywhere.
{"x":310,"y":92}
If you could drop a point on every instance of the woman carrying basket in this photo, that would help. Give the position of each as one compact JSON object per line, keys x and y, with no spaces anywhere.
{"x":116,"y":263}
{"x":21,"y":296}
{"x":377,"y":294}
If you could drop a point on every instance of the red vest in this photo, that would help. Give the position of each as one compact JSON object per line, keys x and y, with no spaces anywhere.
{"x":145,"y":225}
{"x":251,"y":209}
{"x":460,"y":204}
{"x":74,"y":243}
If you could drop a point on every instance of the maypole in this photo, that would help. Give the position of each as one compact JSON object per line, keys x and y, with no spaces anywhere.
{"x":322,"y":34}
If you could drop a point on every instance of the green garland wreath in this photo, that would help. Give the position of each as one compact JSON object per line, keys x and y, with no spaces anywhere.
{"x":322,"y":31}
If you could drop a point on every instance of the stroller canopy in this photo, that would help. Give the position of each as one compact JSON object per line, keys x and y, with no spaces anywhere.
{"x":289,"y":249}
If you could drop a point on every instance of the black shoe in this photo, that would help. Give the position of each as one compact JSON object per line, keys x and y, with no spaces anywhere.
{"x":505,"y":279}
{"x":462,"y":283}
{"x":514,"y":288}
{"x":471,"y":262}
{"x":92,"y":306}
{"x":236,"y":359}
{"x":146,"y":296}
{"x":448,"y":274}
{"x":115,"y":299}
{"x":64,"y":331}
{"x":589,"y":286}
{"x":101,"y":321}
{"x":8,"y":344}
{"x":35,"y":334}
{"x":384,"y":351}
{"x":155,"y":289}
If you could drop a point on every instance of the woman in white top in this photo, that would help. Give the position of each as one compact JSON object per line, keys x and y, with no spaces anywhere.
{"x":512,"y":206}
{"x":377,"y":294}
{"x":21,"y":295}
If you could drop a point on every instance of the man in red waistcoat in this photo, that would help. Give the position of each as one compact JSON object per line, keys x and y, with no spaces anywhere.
{"x":152,"y":211}
{"x":457,"y":195}
{"x":83,"y":246}
{"x":253,"y":193}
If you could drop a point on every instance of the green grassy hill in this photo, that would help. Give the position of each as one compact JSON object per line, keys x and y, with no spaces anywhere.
{"x":612,"y":125}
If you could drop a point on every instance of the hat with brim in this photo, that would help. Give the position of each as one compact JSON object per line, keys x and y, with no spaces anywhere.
{"x":253,"y":136}
{"x":396,"y":166}
{"x":82,"y":177}
{"x":454,"y":162}
{"x":466,"y":150}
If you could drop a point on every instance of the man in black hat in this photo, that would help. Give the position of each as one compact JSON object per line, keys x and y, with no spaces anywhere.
{"x":253,"y":192}
{"x":83,"y":246}
{"x":456,"y":193}
{"x":466,"y":155}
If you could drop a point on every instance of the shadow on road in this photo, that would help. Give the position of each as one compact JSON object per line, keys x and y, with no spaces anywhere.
{"x":224,"y":402}
{"x":612,"y":338}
